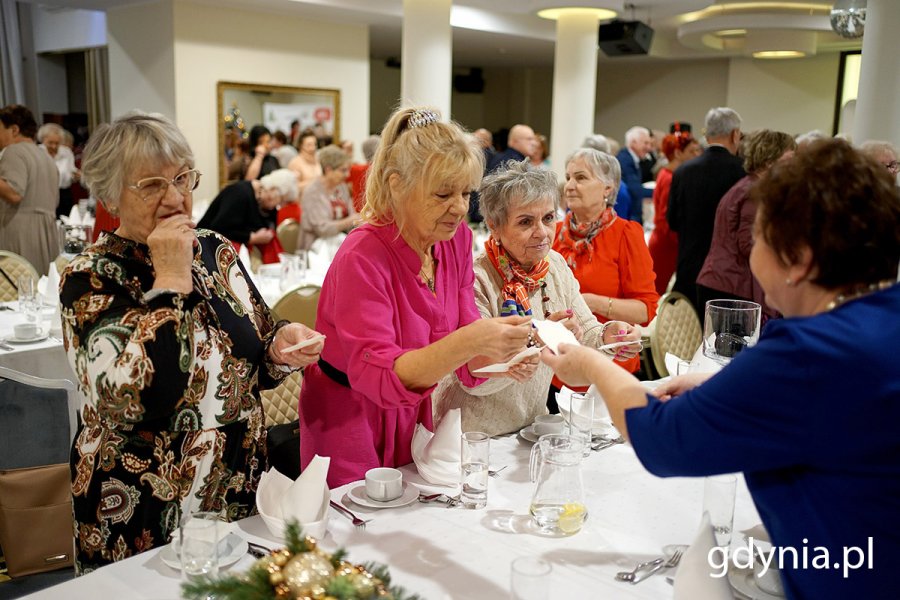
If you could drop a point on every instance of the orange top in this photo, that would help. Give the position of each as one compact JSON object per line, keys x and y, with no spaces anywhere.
{"x":619,"y":267}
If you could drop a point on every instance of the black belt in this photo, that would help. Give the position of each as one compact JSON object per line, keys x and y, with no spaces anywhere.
{"x":336,"y":375}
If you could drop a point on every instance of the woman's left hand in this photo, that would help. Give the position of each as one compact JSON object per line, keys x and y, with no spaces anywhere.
{"x":290,"y":335}
{"x":620,"y":331}
{"x":525,"y":370}
{"x":568,"y":318}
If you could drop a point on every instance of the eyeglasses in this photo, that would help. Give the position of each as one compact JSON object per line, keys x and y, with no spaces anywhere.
{"x":893,"y":167}
{"x":152,"y":189}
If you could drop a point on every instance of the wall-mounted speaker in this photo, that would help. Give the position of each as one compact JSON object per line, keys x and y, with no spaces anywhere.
{"x":625,"y":38}
{"x":472,"y":83}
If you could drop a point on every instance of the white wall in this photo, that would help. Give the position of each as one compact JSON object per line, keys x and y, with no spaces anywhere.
{"x":794,"y":96}
{"x":141,"y":40}
{"x":67,"y":29}
{"x":222,"y":44}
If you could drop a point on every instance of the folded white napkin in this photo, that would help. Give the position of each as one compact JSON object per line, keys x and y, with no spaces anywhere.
{"x":438,"y":455}
{"x":244,"y":255}
{"x":51,"y":289}
{"x":504,"y":367}
{"x":279,"y":497}
{"x":75,"y":215}
{"x":696,"y":578}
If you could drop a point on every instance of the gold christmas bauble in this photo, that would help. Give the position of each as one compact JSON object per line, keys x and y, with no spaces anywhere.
{"x":307,"y":571}
{"x":363,"y":584}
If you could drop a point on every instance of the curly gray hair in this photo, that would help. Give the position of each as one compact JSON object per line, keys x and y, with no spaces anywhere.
{"x":517,"y":182}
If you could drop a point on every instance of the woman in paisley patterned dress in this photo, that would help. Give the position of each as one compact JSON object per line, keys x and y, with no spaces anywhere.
{"x":170,"y":343}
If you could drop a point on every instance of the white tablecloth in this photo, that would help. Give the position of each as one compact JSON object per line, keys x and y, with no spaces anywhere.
{"x":456,"y":553}
{"x":42,"y":359}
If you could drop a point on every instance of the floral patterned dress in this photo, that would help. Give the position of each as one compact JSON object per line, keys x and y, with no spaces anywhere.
{"x":171,"y":420}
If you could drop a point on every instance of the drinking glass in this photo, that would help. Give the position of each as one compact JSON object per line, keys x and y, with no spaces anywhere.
{"x":718,"y":501}
{"x":729,"y":326}
{"x":530,"y":578}
{"x":475,"y":459}
{"x":292,"y":270}
{"x":199,"y":544}
{"x":581,"y":419}
{"x":28,"y":297}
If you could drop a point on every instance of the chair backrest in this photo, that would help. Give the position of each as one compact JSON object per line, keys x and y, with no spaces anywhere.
{"x":280,"y":404}
{"x":38,"y":419}
{"x":677,"y":331}
{"x":13,"y":266}
{"x":288,"y":233}
{"x":299,"y":305}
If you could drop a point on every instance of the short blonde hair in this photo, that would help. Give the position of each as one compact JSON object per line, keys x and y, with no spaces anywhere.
{"x":115,"y":151}
{"x":424,"y":152}
{"x":332,"y":157}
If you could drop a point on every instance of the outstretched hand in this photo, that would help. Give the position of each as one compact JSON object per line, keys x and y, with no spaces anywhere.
{"x":572,"y":364}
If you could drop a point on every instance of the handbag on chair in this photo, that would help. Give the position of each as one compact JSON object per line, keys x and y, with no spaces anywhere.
{"x":36,"y":522}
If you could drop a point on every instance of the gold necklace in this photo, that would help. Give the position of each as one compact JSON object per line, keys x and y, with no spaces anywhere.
{"x":429,"y":281}
{"x":859,"y":293}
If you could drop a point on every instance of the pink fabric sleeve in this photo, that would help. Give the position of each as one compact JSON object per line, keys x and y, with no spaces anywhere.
{"x":368,"y":332}
{"x":468,"y":311}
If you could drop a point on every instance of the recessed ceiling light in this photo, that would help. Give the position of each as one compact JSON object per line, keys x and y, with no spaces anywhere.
{"x":731,"y":33}
{"x":779,"y":54}
{"x":601,"y":14}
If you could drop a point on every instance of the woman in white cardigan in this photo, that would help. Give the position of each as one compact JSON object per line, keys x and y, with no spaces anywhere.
{"x":519,"y":274}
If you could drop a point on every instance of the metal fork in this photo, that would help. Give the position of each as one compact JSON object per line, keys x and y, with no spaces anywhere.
{"x":646,"y":569}
{"x":357,"y":522}
{"x":497,"y":472}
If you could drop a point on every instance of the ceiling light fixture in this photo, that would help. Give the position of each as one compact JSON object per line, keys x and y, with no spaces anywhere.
{"x":730,"y":33}
{"x":779,"y":54}
{"x":601,"y":14}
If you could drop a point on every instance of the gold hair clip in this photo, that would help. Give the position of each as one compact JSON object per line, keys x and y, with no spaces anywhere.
{"x":422,"y":117}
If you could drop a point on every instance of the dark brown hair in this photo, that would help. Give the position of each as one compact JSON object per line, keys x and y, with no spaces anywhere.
{"x":838,"y":202}
{"x":16,"y":114}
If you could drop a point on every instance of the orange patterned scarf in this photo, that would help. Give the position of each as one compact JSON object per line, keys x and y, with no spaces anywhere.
{"x":578,"y":237}
{"x":517,"y":283}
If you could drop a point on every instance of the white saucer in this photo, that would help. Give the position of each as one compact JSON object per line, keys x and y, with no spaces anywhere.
{"x":231,"y":549}
{"x":744,"y":582}
{"x":528,"y":433}
{"x":358,"y":494}
{"x":42,"y":335}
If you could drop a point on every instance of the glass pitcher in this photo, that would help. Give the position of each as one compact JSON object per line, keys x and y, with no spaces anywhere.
{"x":558,"y":501}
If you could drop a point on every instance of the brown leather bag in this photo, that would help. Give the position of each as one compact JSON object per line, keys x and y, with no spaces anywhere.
{"x":36,"y":522}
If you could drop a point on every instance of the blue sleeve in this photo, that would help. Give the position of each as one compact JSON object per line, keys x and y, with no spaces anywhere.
{"x":766,"y":410}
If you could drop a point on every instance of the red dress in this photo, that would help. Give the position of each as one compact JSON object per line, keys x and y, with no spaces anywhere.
{"x":663,"y":241}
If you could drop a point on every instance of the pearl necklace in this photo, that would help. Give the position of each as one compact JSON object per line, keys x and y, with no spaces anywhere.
{"x":859,"y":293}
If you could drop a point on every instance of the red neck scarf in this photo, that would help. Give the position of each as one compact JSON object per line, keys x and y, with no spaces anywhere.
{"x":578,"y":237}
{"x":518,"y":284}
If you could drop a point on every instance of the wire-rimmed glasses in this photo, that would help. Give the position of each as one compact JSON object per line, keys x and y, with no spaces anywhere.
{"x":152,"y":189}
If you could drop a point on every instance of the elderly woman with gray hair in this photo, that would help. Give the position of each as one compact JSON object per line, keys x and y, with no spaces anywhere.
{"x":51,"y":137}
{"x":518,"y":274}
{"x":244,"y":212}
{"x":327,"y":206}
{"x":170,"y":344}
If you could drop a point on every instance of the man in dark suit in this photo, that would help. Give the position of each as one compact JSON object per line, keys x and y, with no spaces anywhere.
{"x":637,"y":146}
{"x":521,"y":143}
{"x":697,"y":187}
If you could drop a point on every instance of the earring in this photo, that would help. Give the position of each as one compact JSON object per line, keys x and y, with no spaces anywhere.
{"x":789,"y":281}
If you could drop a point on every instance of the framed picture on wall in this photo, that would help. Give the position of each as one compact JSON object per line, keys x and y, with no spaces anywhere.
{"x":847,"y":90}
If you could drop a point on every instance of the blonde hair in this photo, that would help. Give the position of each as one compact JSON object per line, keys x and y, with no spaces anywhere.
{"x":423,"y":152}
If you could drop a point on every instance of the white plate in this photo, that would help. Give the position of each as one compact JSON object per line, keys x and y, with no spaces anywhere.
{"x":744,"y":582}
{"x":231,"y":549}
{"x":358,"y":494}
{"x":42,"y":335}
{"x":528,"y":433}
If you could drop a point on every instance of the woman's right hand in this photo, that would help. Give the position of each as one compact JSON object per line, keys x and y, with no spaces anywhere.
{"x":500,"y":338}
{"x":261,"y":236}
{"x":171,"y":246}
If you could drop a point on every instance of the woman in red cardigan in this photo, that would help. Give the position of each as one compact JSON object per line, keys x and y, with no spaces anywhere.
{"x":607,"y":254}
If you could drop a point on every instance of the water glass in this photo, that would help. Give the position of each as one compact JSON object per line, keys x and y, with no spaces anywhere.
{"x":581,"y":419}
{"x":475,"y":458}
{"x":530,"y":578}
{"x":199,"y":545}
{"x":718,"y":501}
{"x":292,"y":270}
{"x":729,"y":326}
{"x":29,"y":298}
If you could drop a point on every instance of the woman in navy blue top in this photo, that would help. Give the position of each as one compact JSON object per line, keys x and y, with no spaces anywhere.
{"x":811,"y":413}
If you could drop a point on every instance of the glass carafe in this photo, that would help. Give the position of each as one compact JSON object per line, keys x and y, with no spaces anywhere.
{"x":558,"y":501}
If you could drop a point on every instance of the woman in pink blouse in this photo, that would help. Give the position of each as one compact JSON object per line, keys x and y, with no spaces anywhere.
{"x":398,"y":306}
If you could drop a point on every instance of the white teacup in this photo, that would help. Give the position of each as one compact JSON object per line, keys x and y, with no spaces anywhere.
{"x":384,"y":484}
{"x":26,"y":331}
{"x":544,"y":424}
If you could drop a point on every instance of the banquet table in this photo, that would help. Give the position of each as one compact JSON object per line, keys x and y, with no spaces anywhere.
{"x":439,"y":552}
{"x":45,"y":358}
